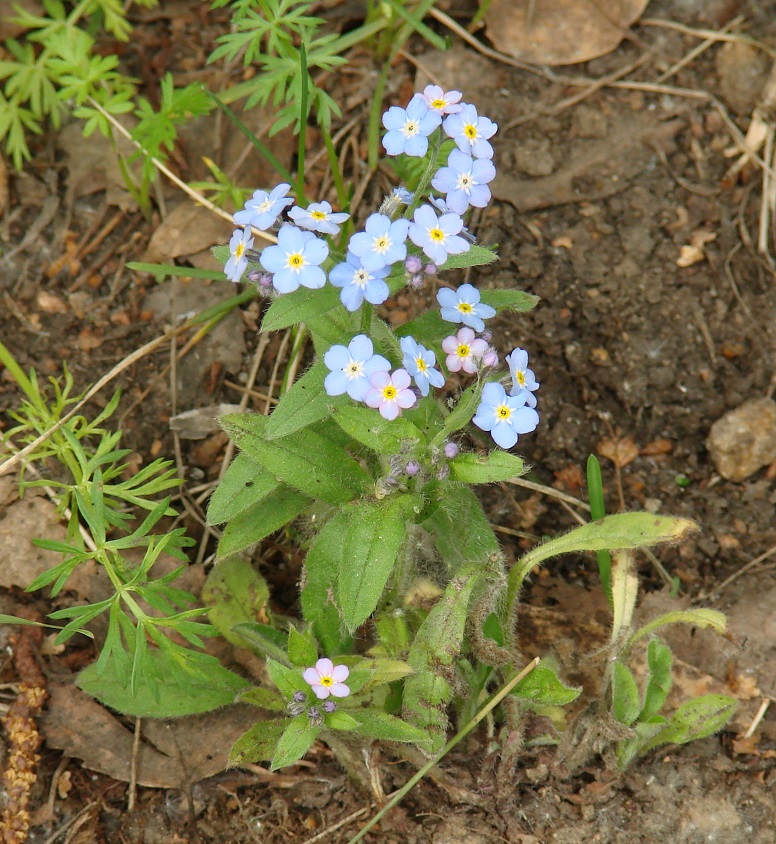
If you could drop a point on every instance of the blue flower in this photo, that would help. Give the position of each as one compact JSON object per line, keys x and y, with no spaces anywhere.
{"x":471,"y":132}
{"x":505,"y":417}
{"x":318,"y":218}
{"x":263,"y":208}
{"x":408,"y":129}
{"x":437,"y":236}
{"x":523,"y":379}
{"x":465,"y":180}
{"x":351,"y":368}
{"x":359,"y":283}
{"x":240,"y":241}
{"x":419,"y":362}
{"x":295,"y":259}
{"x":383,"y":242}
{"x":463,"y":305}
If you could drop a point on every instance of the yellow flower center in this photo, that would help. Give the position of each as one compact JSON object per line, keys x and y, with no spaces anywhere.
{"x":296,"y":261}
{"x":318,"y":215}
{"x":390,"y":392}
{"x":438,"y":104}
{"x":465,"y":308}
{"x":238,"y":252}
{"x":463,"y":351}
{"x":520,"y":378}
{"x":436,"y":234}
{"x":382,"y":244}
{"x":470,"y":130}
{"x":421,"y":364}
{"x":326,"y":681}
{"x":503,"y":412}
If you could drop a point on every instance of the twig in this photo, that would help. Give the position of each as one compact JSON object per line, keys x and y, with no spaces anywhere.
{"x":550,"y":491}
{"x":758,"y":717}
{"x":132,"y":795}
{"x":743,"y":570}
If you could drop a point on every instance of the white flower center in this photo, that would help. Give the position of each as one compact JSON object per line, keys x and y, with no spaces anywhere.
{"x":465,"y":182}
{"x":264,"y":206}
{"x":410,"y":129}
{"x":361,"y":277}
{"x":354,"y":369}
{"x":382,"y":244}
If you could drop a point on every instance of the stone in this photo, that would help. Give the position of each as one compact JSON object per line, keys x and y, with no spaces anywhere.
{"x":744,"y":439}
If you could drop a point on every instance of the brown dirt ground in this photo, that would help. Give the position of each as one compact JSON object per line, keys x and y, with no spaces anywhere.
{"x":594,"y":201}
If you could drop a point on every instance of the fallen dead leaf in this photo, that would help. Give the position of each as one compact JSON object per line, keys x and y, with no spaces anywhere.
{"x":621,"y":451}
{"x":657,"y":447}
{"x":21,"y":561}
{"x":173,"y":753}
{"x":569,"y":478}
{"x":557,"y":32}
{"x":50,"y":303}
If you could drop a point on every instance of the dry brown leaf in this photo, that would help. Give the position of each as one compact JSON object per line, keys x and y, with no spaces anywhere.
{"x":557,"y":32}
{"x":173,"y":753}
{"x":21,"y":561}
{"x":621,"y":451}
{"x":657,"y":447}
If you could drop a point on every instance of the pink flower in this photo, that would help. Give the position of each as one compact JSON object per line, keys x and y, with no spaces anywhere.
{"x":463,"y":351}
{"x":327,"y":679}
{"x":389,"y":393}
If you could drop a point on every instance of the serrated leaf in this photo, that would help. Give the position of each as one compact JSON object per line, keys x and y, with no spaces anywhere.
{"x":375,"y":534}
{"x":625,"y":694}
{"x":310,"y":463}
{"x":258,"y":743}
{"x":543,"y":687}
{"x":260,"y":520}
{"x":379,"y":725}
{"x":497,"y":465}
{"x":236,"y":593}
{"x":300,"y":306}
{"x":297,"y":739}
{"x":246,"y":482}
{"x":304,"y":404}
{"x":368,"y":427}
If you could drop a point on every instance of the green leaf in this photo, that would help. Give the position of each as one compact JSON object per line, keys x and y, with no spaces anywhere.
{"x":296,"y":740}
{"x":429,"y":328}
{"x":543,"y":687}
{"x":259,"y":520}
{"x":302,"y":650}
{"x":300,"y":306}
{"x":246,"y":482}
{"x":509,"y":300}
{"x":475,"y":256}
{"x":458,"y":525}
{"x":236,"y":593}
{"x":473,"y":468}
{"x":258,"y":743}
{"x":288,"y":680}
{"x":387,"y":671}
{"x":310,"y":463}
{"x":493,"y":629}
{"x":625,"y":694}
{"x":695,"y":719}
{"x":264,"y":699}
{"x":374,"y":537}
{"x":263,"y":639}
{"x":621,"y":530}
{"x":168,"y":687}
{"x":461,"y":415}
{"x":367,"y":426}
{"x":339,"y":720}
{"x":304,"y":404}
{"x":376,"y":724}
{"x":697,"y":618}
{"x":659,"y":682}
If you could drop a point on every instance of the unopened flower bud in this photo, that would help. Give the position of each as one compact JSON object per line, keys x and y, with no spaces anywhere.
{"x":300,"y":697}
{"x":314,"y":715}
{"x":261,"y":279}
{"x":486,"y":335}
{"x":451,"y":450}
{"x":413,"y":264}
{"x":416,"y":281}
{"x":295,"y":709}
{"x":430,"y":269}
{"x":490,"y":357}
{"x":412,"y":468}
{"x":328,"y":706}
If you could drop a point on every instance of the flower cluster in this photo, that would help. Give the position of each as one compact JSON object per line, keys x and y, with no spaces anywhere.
{"x":411,"y":237}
